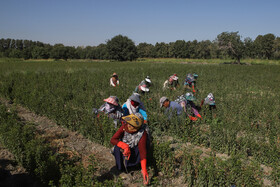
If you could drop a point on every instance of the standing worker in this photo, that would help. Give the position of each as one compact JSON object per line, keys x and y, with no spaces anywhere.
{"x":131,"y":144}
{"x":114,"y":80}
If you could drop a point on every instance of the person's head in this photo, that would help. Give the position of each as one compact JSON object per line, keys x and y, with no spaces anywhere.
{"x":164,"y":102}
{"x":112,"y":101}
{"x":190,"y":97}
{"x":195,"y":76}
{"x":210,"y":100}
{"x":133,"y":121}
{"x":135,"y":99}
{"x":115,"y":75}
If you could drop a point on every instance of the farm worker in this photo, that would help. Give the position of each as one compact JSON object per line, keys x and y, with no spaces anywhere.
{"x":210,"y":101}
{"x":131,"y":144}
{"x":114,"y":80}
{"x":172,"y":82}
{"x":171,"y":107}
{"x":111,"y":108}
{"x":190,"y":82}
{"x":189,"y":106}
{"x":134,"y":105}
{"x":144,"y":86}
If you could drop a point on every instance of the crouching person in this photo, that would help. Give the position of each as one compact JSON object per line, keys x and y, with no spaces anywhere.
{"x":210,"y":101}
{"x":112,"y":108}
{"x":131,"y":144}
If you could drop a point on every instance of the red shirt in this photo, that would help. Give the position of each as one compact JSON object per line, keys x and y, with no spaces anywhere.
{"x":141,"y":144}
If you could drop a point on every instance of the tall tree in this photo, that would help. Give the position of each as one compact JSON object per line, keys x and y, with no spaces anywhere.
{"x":178,"y":49}
{"x":264,"y":45}
{"x":230,"y":42}
{"x":121,"y":48}
{"x":145,"y":50}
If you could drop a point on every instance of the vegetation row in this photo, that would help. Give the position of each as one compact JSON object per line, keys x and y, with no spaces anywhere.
{"x":227,"y":45}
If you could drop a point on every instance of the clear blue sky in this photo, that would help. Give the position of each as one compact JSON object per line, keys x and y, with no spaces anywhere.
{"x":91,"y":22}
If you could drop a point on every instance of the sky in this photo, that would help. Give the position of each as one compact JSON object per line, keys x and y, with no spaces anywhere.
{"x":92,"y":22}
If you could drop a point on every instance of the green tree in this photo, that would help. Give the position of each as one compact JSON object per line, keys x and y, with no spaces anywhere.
{"x":178,"y":49}
{"x":264,"y":45}
{"x":121,"y":48}
{"x":204,"y":49}
{"x":145,"y":50}
{"x":276,"y":48}
{"x":40,"y":53}
{"x":59,"y":52}
{"x":231,"y":44}
{"x":161,"y":50}
{"x":249,"y":48}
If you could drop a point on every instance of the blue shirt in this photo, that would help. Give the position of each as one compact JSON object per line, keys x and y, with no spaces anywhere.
{"x":140,"y":110}
{"x":174,"y":108}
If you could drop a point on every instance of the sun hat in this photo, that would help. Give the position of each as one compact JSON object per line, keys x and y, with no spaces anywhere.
{"x":144,"y":89}
{"x":135,"y":97}
{"x":195,"y":75}
{"x":133,"y":120}
{"x":162,"y":100}
{"x":189,"y":96}
{"x":147,"y":79}
{"x":112,"y":100}
{"x":210,"y":99}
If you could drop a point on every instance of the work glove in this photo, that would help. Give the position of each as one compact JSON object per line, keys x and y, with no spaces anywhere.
{"x":198,"y":115}
{"x":118,"y":114}
{"x":126,"y":149}
{"x":192,"y":118}
{"x":144,"y":171}
{"x":145,"y":121}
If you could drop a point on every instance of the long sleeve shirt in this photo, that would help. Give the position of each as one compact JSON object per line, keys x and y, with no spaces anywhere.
{"x":174,"y":108}
{"x":141,"y":145}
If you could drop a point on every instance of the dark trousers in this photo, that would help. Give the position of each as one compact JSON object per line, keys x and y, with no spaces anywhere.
{"x":133,"y":160}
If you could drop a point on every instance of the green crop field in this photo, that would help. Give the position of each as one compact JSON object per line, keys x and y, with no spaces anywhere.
{"x":246,"y":126}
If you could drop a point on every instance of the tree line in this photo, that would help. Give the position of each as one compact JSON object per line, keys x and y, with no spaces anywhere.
{"x":227,"y":45}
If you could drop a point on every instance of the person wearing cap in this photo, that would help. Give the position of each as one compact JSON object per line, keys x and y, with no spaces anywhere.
{"x":210,"y":101}
{"x":134,"y":105}
{"x":171,"y":107}
{"x":131,"y":144}
{"x":187,"y":102}
{"x":172,"y":82}
{"x":144,"y":86}
{"x":111,"y":108}
{"x":190,"y":82}
{"x":114,"y":80}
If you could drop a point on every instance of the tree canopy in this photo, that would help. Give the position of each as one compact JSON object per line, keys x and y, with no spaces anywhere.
{"x":121,"y":48}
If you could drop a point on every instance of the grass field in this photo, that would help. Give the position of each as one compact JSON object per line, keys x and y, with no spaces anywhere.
{"x":247,"y":126}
